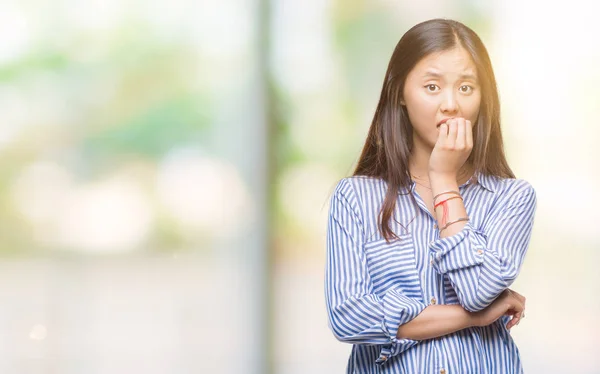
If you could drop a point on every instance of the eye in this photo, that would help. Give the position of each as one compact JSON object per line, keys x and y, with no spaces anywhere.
{"x":466,"y":89}
{"x":431,"y":87}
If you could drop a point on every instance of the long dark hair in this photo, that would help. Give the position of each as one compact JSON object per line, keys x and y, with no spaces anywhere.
{"x":388,"y":145}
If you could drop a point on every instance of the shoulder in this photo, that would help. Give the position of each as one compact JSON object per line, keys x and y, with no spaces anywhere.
{"x":511,"y":189}
{"x":516,"y":186}
{"x":362,"y":194}
{"x":360,"y":188}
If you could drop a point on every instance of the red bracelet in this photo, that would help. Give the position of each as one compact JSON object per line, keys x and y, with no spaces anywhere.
{"x":445,"y":206}
{"x":450,"y":198}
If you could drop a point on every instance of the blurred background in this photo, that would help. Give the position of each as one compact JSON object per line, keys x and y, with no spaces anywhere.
{"x":166,"y":168}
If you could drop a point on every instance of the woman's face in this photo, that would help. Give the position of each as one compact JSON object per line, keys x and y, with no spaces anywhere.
{"x":442,"y":85}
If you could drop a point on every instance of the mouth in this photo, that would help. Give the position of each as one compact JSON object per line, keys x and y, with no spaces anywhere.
{"x":443,"y":121}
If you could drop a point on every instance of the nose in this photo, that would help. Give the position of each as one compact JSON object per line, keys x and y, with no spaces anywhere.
{"x":449,"y":103}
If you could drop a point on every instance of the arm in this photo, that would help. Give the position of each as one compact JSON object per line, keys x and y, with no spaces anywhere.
{"x":356,"y":314}
{"x":436,"y":320}
{"x":439,"y":320}
{"x":481,"y":263}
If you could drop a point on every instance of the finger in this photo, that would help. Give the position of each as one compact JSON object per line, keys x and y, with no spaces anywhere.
{"x":510,"y":312}
{"x":461,"y":137}
{"x":516,"y":309}
{"x":443,"y":135}
{"x":469,"y":135}
{"x":516,"y":318}
{"x":512,"y":323}
{"x":452,"y":130}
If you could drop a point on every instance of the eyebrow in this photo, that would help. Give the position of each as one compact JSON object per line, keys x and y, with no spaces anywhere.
{"x":434,"y":74}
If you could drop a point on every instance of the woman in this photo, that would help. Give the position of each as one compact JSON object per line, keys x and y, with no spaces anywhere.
{"x":427,"y":235}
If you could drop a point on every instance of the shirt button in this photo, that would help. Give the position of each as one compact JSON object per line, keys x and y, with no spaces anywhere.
{"x":431,"y":262}
{"x":431,"y":242}
{"x":443,"y":371}
{"x":480,"y":252}
{"x":433,"y":301}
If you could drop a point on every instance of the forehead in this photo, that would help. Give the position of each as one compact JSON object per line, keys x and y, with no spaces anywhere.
{"x":452,"y":61}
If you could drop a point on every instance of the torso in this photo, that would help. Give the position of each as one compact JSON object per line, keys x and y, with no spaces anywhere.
{"x":404,"y":265}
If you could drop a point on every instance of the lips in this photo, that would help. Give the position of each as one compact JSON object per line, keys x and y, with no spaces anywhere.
{"x":443,"y":121}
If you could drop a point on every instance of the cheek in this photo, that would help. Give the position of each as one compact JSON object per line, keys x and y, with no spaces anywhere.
{"x":471,"y":109}
{"x":422,"y":106}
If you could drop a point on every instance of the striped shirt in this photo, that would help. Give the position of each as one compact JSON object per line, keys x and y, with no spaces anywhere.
{"x":372,"y":287}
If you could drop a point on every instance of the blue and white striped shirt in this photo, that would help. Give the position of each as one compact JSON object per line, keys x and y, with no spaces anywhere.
{"x":372,"y":287}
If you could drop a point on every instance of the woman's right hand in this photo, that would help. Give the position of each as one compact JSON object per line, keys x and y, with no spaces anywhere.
{"x":508,"y":303}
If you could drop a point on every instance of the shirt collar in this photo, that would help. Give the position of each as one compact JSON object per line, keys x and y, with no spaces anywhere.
{"x":486,"y":181}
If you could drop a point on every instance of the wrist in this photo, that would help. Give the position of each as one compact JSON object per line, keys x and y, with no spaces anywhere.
{"x":442,"y":176}
{"x":468,"y":319}
{"x":475,"y":319}
{"x":441,"y":183}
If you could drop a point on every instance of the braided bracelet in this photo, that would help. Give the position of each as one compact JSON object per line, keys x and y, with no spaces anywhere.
{"x":440,"y":194}
{"x":455,"y":221}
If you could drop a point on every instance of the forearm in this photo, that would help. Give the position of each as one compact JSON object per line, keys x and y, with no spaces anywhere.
{"x":456,"y":208}
{"x":464,"y":272}
{"x":436,"y":320}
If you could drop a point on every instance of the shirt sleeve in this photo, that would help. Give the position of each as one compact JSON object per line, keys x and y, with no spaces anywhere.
{"x":355,"y":313}
{"x":481,"y":263}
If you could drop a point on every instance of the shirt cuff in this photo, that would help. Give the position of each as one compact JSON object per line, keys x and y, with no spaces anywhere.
{"x":463,"y":249}
{"x":398,"y":309}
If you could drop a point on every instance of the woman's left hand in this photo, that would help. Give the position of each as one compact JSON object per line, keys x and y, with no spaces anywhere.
{"x":516,"y":315}
{"x":508,"y":303}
